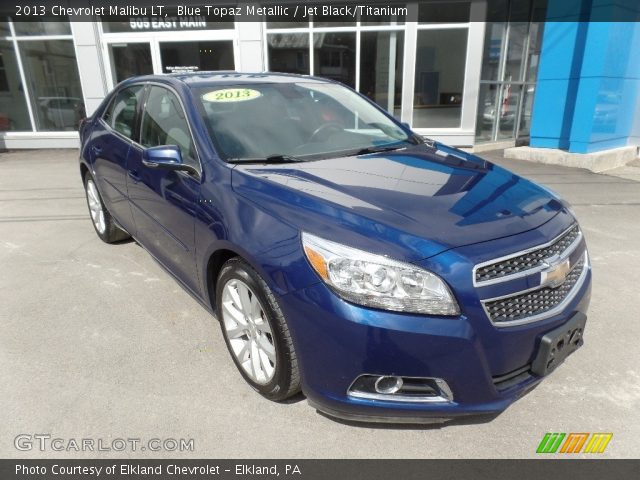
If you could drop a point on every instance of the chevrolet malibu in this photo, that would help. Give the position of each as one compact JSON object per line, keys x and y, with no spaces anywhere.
{"x":387,"y":277}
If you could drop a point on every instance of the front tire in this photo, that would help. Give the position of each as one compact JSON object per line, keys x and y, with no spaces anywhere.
{"x":103,"y":223}
{"x":256,"y":332}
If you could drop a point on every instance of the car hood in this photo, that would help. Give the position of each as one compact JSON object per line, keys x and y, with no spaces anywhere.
{"x":419,"y":201}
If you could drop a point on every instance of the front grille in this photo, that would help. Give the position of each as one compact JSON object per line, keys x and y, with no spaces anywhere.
{"x":536,"y":302}
{"x":528,"y":260}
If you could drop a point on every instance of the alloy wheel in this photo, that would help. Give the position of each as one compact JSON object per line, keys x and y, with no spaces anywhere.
{"x":95,"y":207}
{"x":248,"y":331}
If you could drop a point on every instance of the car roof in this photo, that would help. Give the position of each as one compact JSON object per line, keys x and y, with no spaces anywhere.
{"x":207,"y":78}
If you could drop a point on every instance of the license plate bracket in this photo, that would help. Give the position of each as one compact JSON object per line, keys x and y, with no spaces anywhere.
{"x":558,"y":344}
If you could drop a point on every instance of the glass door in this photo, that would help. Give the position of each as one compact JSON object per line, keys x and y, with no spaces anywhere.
{"x":509,"y":72}
{"x":132,"y":53}
{"x":196,"y":56}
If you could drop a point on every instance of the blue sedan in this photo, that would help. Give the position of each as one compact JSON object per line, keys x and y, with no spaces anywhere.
{"x":387,"y":277}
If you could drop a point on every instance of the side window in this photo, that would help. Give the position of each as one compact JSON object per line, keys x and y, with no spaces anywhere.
{"x":121,"y":114}
{"x":164,"y":123}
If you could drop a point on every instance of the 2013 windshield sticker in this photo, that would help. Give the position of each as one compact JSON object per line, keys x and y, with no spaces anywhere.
{"x":231,"y":95}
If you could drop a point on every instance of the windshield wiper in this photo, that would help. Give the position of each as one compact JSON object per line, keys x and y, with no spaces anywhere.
{"x":388,"y":148}
{"x":278,"y":158}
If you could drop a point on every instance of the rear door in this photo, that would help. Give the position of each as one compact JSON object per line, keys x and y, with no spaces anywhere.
{"x":113,"y":136}
{"x":164,"y":202}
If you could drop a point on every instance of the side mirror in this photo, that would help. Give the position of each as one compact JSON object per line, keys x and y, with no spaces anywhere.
{"x":167,"y":157}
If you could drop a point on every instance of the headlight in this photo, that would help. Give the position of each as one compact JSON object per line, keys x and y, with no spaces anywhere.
{"x":377,"y":281}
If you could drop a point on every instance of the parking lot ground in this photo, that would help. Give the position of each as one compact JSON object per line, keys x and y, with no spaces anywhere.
{"x":97,"y":341}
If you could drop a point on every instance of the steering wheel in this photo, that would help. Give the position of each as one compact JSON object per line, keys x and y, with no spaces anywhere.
{"x":323,"y":130}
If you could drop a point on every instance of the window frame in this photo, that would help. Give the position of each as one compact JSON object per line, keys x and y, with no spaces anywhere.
{"x":143,"y":112}
{"x":148,"y":85}
{"x":135,"y":142}
{"x":136,"y":123}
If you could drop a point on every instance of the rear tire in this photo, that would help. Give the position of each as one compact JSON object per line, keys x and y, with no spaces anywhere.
{"x":103,"y":223}
{"x":256,"y":332}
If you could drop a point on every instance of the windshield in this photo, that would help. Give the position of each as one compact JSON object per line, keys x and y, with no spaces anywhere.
{"x":308,"y":120}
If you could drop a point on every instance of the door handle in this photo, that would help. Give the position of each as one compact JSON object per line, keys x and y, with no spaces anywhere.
{"x":134,"y":176}
{"x":97,"y":150}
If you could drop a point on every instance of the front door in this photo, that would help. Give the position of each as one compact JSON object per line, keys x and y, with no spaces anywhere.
{"x":163,"y":202}
{"x":112,"y":140}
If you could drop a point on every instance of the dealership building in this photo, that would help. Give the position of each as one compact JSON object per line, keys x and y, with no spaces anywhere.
{"x":559,"y":75}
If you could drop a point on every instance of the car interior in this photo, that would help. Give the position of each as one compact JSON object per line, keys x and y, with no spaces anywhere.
{"x":282,"y":121}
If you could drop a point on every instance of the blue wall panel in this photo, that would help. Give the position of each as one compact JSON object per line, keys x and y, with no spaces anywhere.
{"x":588,"y":92}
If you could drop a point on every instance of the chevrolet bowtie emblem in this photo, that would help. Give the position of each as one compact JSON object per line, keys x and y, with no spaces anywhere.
{"x":555,"y":273}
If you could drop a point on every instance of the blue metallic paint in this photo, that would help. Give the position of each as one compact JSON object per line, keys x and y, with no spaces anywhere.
{"x":439,"y":208}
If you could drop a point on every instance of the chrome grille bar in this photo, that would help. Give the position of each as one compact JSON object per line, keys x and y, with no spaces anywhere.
{"x":537,"y":303}
{"x":526,"y":262}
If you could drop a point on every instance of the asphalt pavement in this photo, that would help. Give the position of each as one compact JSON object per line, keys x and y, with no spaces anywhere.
{"x":98,"y":342}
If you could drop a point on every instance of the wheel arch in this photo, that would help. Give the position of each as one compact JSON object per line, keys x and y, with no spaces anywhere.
{"x":84,"y":169}
{"x":214,"y":264}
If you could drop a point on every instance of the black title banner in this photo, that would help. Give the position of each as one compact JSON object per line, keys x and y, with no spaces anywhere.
{"x":318,"y":469}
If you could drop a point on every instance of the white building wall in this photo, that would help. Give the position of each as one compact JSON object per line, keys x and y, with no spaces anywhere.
{"x":90,"y":65}
{"x":250,"y":49}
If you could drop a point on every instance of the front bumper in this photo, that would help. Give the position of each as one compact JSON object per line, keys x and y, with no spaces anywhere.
{"x":337,"y":341}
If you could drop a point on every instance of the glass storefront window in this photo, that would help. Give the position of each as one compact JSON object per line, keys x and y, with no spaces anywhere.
{"x":288,"y":52}
{"x":509,"y":69}
{"x":439,"y":78}
{"x":524,"y":129}
{"x":535,"y":47}
{"x":372,"y":59}
{"x":129,"y":60}
{"x":519,"y":18}
{"x":196,"y":56}
{"x":515,"y":51}
{"x":335,"y":56}
{"x":508,"y":111}
{"x":54,"y":84}
{"x":381,"y":58}
{"x":42,"y":28}
{"x":492,"y":54}
{"x":14,"y":115}
{"x":487,"y":111}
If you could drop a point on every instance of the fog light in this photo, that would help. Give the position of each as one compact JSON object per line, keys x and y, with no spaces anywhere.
{"x":388,"y":385}
{"x":400,"y":389}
